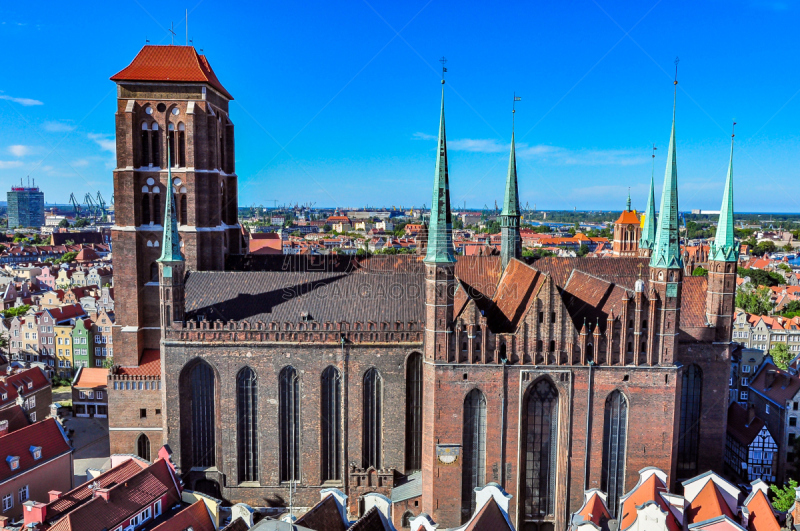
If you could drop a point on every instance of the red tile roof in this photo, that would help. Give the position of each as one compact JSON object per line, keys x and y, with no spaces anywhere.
{"x":9,"y":384}
{"x":738,"y":427}
{"x":783,"y":387}
{"x":709,"y":503}
{"x":171,"y":64}
{"x":628,"y":217}
{"x":91,"y":377}
{"x":517,"y":288}
{"x":47,"y":434}
{"x":649,"y":490}
{"x":149,"y":365}
{"x":762,"y":517}
{"x":595,"y":510}
{"x":491,"y":517}
{"x":324,"y":516}
{"x":195,"y":516}
{"x":15,"y":416}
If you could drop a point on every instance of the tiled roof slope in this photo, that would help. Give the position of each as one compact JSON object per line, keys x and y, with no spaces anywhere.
{"x":236,"y":525}
{"x":783,"y":387}
{"x":516,"y":290}
{"x":91,"y":377}
{"x":9,"y":384}
{"x":709,"y":503}
{"x":47,"y":434}
{"x":194,"y":517}
{"x":738,"y":427}
{"x":595,"y":510}
{"x":15,"y":416}
{"x":149,"y":365}
{"x":489,"y":518}
{"x":170,"y":64}
{"x":324,"y":516}
{"x":762,"y":516}
{"x":591,"y":298}
{"x":371,"y":521}
{"x":81,"y":494}
{"x":125,"y":500}
{"x":648,"y":491}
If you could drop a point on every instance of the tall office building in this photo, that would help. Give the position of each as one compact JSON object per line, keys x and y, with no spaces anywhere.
{"x":25,"y":207}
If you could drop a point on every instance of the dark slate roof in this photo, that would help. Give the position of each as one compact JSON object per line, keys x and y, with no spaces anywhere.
{"x":324,"y":516}
{"x":372,"y":520}
{"x":410,"y":488}
{"x":489,"y":518}
{"x":236,"y":525}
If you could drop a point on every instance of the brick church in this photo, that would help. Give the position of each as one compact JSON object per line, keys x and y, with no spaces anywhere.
{"x":419,"y":377}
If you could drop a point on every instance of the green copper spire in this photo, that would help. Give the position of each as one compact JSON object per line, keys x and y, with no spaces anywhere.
{"x":724,"y":248}
{"x":510,"y":243}
{"x":628,"y":204}
{"x":440,"y":229}
{"x":171,"y":245}
{"x":667,"y":250}
{"x":648,"y":239}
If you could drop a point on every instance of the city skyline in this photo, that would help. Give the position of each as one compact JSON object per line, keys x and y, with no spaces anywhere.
{"x":344,"y":114}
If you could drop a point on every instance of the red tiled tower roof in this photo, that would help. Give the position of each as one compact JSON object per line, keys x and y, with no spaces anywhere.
{"x":171,"y":64}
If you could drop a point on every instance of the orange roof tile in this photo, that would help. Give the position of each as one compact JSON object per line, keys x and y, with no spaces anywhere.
{"x":628,"y":217}
{"x":594,"y":510}
{"x":648,"y":491}
{"x":149,"y":365}
{"x":92,"y":377}
{"x":708,"y":504}
{"x":762,"y":518}
{"x":194,"y":517}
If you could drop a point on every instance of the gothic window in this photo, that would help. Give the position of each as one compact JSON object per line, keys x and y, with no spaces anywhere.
{"x":414,"y":413}
{"x":145,"y":144}
{"x":615,"y":440}
{"x":405,"y":521}
{"x":589,"y":352}
{"x":371,"y":454}
{"x":153,"y":272}
{"x":331,"y":424}
{"x":143,"y":447}
{"x":473,"y":468}
{"x":552,"y":345}
{"x":689,"y":438}
{"x":184,"y":211}
{"x":202,"y":416}
{"x":541,"y":444}
{"x":155,"y":145}
{"x":146,"y":209}
{"x":247,"y":424}
{"x":289,"y":403}
{"x":156,"y":206}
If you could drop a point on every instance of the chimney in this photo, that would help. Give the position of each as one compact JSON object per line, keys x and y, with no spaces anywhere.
{"x":34,"y":513}
{"x":751,"y":414}
{"x":3,"y":427}
{"x":54,"y":495}
{"x":103,"y":493}
{"x":769,"y":378}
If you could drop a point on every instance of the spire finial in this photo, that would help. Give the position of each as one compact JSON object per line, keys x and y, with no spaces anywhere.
{"x":443,"y":60}
{"x":724,"y":248}
{"x":629,"y":200}
{"x":514,"y":110}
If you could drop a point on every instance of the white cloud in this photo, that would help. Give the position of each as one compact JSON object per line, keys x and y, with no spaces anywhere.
{"x":423,"y":136}
{"x":480,"y":145}
{"x":105,"y":143}
{"x":6,"y":164}
{"x":58,"y":127}
{"x":22,"y":101}
{"x":80,"y":163}
{"x":20,"y":150}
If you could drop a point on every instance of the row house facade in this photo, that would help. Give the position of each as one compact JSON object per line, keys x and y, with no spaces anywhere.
{"x":29,"y":389}
{"x":765,"y":331}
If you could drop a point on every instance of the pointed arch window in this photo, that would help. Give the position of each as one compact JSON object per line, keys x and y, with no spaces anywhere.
{"x":473,"y":468}
{"x":247,"y":424}
{"x":144,"y":141}
{"x":155,"y":145}
{"x":331,"y":424}
{"x":540,"y":447}
{"x":689,"y":438}
{"x":156,"y":216}
{"x":414,"y":413}
{"x":203,"y":415}
{"x":615,"y":442}
{"x":146,"y":219}
{"x":184,"y":211}
{"x":371,"y":454}
{"x":143,"y":447}
{"x":289,"y":405}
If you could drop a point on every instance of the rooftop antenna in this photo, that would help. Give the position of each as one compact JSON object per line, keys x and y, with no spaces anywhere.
{"x":443,"y":60}
{"x":146,"y":40}
{"x":654,"y":161}
{"x":172,"y":31}
{"x":187,"y":27}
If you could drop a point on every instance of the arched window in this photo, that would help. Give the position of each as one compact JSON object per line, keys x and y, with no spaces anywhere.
{"x":143,"y":447}
{"x":247,"y":424}
{"x":689,"y":438}
{"x":371,"y":454}
{"x":414,"y":413}
{"x":184,"y":211}
{"x":331,"y":426}
{"x":541,"y":446}
{"x":405,"y":521}
{"x":144,"y":140}
{"x":589,"y":352}
{"x":180,"y":151}
{"x":155,"y":145}
{"x":473,"y":468}
{"x":615,"y":442}
{"x":154,"y":272}
{"x":289,"y":404}
{"x":146,"y":209}
{"x":157,"y":207}
{"x":203,"y":416}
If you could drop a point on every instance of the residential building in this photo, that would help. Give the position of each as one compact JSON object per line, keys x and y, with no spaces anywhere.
{"x":775,"y":394}
{"x":765,"y":331}
{"x":89,"y":395}
{"x":36,"y":460}
{"x":744,"y":364}
{"x":63,"y":350}
{"x":28,"y":388}
{"x":13,"y":418}
{"x":102,"y":338}
{"x":750,"y":449}
{"x":83,"y":344}
{"x":25,"y":207}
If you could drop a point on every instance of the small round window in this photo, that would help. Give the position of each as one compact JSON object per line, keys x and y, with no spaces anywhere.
{"x":148,"y":110}
{"x":176,"y":181}
{"x":161,"y":107}
{"x":150,"y":181}
{"x":176,"y":111}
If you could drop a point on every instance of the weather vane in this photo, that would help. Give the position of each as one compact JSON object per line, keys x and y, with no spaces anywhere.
{"x":513,"y":109}
{"x":443,"y":60}
{"x":677,"y":60}
{"x":172,"y":30}
{"x":733,"y":130}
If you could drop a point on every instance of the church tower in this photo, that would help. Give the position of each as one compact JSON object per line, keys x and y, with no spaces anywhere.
{"x":648,"y":223}
{"x":626,"y":232}
{"x":511,"y":245}
{"x":439,"y":289}
{"x":172,"y":132}
{"x":722,"y":262}
{"x":666,"y":267}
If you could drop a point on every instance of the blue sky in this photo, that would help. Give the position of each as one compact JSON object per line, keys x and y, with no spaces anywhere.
{"x":337,"y":102}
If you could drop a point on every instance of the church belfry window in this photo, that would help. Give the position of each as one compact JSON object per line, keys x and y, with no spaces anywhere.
{"x":689,"y":435}
{"x":473,"y":468}
{"x":177,"y":142}
{"x":540,"y":447}
{"x":143,"y":447}
{"x":146,"y":219}
{"x":331,"y":425}
{"x":247,"y":424}
{"x":414,"y":412}
{"x":203,"y":416}
{"x":289,"y":404}
{"x":371,"y":454}
{"x":615,"y":441}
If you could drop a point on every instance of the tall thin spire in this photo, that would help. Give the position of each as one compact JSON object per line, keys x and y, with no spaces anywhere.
{"x":648,"y":238}
{"x":628,"y":203}
{"x":440,"y":230}
{"x":667,"y":250}
{"x":724,"y":248}
{"x":171,"y":245}
{"x":510,"y":243}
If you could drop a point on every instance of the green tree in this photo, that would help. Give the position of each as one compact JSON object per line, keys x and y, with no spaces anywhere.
{"x":297,"y":233}
{"x":783,"y":497}
{"x":764,"y":247}
{"x":583,"y":250}
{"x":81,"y":222}
{"x":67,"y":258}
{"x":457,"y":223}
{"x":785,"y":267}
{"x":63,"y":223}
{"x":781,"y":355}
{"x":16,"y":311}
{"x":326,"y":228}
{"x":754,"y":300}
{"x":700,"y":272}
{"x":759,"y":277}
{"x":788,"y":248}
